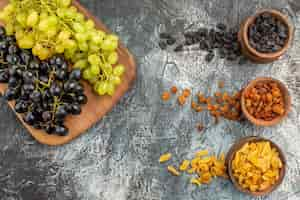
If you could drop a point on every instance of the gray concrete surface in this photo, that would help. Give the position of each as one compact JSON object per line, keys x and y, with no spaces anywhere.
{"x":117,"y":158}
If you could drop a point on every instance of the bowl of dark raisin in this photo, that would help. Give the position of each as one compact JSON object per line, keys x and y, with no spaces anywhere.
{"x":266,"y":36}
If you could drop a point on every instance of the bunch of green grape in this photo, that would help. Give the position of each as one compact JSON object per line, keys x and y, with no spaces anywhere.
{"x":50,"y":27}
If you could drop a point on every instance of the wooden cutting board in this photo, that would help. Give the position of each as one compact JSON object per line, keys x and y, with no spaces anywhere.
{"x":97,"y":106}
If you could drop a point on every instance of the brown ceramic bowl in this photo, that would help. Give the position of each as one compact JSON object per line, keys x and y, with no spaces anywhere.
{"x":252,"y":53}
{"x":230,"y":156}
{"x":286,"y":97}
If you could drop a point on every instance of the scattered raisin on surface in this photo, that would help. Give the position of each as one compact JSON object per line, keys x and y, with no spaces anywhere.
{"x":174,"y":89}
{"x":165,"y":96}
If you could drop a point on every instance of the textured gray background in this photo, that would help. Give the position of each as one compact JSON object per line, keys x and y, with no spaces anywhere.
{"x":117,"y":158}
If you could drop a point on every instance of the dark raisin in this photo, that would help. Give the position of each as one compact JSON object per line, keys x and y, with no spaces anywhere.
{"x":165,"y":36}
{"x":171,"y":41}
{"x":179,"y":48}
{"x":221,"y":26}
{"x":209,"y":57}
{"x":162,"y":45}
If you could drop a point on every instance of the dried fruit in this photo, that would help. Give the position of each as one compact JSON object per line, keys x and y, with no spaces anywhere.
{"x":165,"y":96}
{"x":221,"y":38}
{"x":165,"y":157}
{"x":181,"y":100}
{"x":256,"y":166}
{"x":203,"y":166}
{"x":200,"y":127}
{"x":265,"y":101}
{"x":186,"y":93}
{"x":173,"y":170}
{"x":162,"y":45}
{"x":174,"y":89}
{"x":267,"y":34}
{"x":184,"y":165}
{"x":221,"y":84}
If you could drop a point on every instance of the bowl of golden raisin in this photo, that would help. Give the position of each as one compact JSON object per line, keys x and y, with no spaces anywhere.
{"x":265,"y":101}
{"x":256,"y":166}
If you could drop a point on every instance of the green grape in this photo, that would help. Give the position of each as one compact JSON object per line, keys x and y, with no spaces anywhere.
{"x":119,"y":70}
{"x":113,"y":58}
{"x":56,"y":27}
{"x":97,"y":37}
{"x":94,"y":59}
{"x":69,"y":53}
{"x":70,"y":44}
{"x":87,"y":74}
{"x":79,"y":56}
{"x":110,"y":89}
{"x":51,"y":32}
{"x":78,"y":28}
{"x":4,"y":16}
{"x":79,"y":17}
{"x":59,"y":48}
{"x":61,"y":12}
{"x":81,"y":64}
{"x":43,"y":15}
{"x":95,"y":70}
{"x":64,"y":35}
{"x":44,"y":53}
{"x":112,"y":37}
{"x":19,"y":34}
{"x":27,"y":42}
{"x":69,"y":13}
{"x":108,"y":68}
{"x":52,"y":21}
{"x":32,"y":19}
{"x":116,"y":80}
{"x":89,"y":24}
{"x":93,"y":47}
{"x":109,"y":45}
{"x":21,"y":18}
{"x":9,"y":28}
{"x":9,"y":8}
{"x":102,"y":88}
{"x":73,"y":9}
{"x":65,"y":3}
{"x":96,"y":85}
{"x":43,"y":25}
{"x":81,"y":37}
{"x":83,"y":46}
{"x":37,"y":48}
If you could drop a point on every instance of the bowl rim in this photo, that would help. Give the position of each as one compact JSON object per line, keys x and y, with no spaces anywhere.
{"x":287,"y":102}
{"x":279,"y":16}
{"x":231,"y":153}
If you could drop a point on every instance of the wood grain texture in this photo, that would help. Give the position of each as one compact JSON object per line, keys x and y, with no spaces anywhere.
{"x":97,"y":106}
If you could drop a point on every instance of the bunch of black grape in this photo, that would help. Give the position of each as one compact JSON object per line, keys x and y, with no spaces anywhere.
{"x":45,"y":92}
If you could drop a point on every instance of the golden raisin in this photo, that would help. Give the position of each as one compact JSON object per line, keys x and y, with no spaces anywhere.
{"x":186,"y":93}
{"x":201,"y":98}
{"x":194,"y":105}
{"x":173,"y":170}
{"x":165,"y":157}
{"x":165,"y":96}
{"x":221,"y":84}
{"x":181,"y":100}
{"x":200,"y":127}
{"x":174,"y":89}
{"x":264,"y":101}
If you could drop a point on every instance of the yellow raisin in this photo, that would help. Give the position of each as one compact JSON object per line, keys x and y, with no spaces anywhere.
{"x":165,"y":157}
{"x":173,"y":170}
{"x":184,"y":165}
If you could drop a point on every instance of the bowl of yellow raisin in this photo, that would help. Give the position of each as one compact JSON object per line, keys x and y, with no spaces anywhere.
{"x":256,"y":166}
